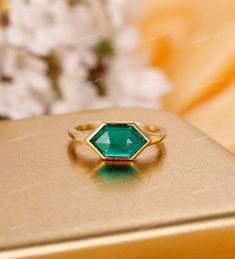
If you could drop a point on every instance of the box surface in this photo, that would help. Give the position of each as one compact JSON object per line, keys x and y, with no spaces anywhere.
{"x":58,"y":200}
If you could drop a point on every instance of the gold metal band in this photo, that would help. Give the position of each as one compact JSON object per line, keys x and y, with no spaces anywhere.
{"x":153,"y":132}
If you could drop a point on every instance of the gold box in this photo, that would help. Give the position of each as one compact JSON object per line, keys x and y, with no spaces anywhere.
{"x":59,"y":201}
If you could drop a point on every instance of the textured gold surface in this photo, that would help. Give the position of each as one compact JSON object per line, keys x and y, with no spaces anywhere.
{"x":54,"y":195}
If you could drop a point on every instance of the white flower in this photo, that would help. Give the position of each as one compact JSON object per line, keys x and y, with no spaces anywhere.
{"x":50,"y":62}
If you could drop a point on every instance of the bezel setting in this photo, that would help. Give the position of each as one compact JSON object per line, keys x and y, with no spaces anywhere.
{"x":101,"y":125}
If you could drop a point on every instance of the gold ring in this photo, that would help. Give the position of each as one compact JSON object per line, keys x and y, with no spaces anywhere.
{"x":117,"y":140}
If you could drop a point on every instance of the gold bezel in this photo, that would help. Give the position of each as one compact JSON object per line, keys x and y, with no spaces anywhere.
{"x":100,"y":126}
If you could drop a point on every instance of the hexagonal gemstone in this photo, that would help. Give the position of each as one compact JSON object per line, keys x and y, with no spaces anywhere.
{"x":118,"y":140}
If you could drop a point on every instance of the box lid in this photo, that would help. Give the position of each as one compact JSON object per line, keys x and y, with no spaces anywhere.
{"x":51,"y":193}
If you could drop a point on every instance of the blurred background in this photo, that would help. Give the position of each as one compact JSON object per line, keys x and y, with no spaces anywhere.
{"x":59,"y":56}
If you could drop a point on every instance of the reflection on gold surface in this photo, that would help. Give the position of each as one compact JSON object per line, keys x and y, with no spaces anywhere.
{"x":116,"y":172}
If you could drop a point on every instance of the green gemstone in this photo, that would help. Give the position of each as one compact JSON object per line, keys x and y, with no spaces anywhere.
{"x":118,"y":140}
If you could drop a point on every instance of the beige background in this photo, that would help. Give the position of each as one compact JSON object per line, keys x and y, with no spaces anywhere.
{"x":193,"y":41}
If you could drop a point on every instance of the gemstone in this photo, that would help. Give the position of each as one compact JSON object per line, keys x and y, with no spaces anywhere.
{"x":118,"y":140}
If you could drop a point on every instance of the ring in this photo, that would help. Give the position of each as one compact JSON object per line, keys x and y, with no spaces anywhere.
{"x":117,"y":140}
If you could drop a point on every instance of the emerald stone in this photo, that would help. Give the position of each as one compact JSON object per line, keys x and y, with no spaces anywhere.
{"x":118,"y":140}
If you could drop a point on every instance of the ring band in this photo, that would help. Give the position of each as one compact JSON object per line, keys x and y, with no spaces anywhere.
{"x":117,"y":140}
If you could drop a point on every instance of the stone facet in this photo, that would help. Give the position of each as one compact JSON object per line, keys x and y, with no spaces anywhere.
{"x":118,"y":140}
